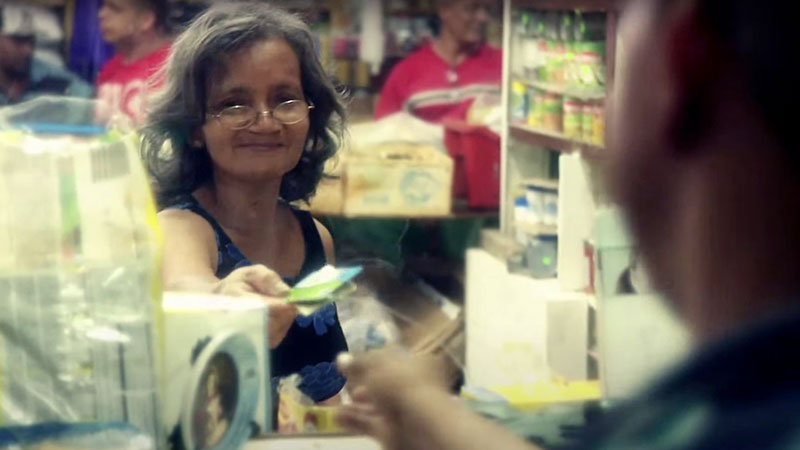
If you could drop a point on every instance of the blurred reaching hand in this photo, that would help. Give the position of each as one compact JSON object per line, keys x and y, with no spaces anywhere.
{"x":381,"y":385}
{"x":402,"y":401}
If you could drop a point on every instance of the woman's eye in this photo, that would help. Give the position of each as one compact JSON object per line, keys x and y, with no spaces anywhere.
{"x":287,"y":97}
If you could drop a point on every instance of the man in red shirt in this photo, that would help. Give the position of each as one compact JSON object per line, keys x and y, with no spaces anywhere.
{"x":444,"y":77}
{"x":139,"y":31}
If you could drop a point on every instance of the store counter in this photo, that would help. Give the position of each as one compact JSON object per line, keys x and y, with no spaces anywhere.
{"x":305,"y":442}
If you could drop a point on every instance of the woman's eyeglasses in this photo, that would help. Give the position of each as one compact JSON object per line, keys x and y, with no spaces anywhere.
{"x":242,"y":116}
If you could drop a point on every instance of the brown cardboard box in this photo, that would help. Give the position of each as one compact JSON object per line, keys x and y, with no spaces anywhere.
{"x":329,"y":198}
{"x":398,"y":180}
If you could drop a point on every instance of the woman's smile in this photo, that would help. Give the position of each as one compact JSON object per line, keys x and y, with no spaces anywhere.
{"x":259,"y":146}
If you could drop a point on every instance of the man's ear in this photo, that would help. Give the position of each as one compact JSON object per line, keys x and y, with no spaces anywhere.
{"x":147,"y":20}
{"x":695,"y":63}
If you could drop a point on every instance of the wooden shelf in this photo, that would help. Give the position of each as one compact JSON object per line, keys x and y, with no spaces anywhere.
{"x":567,"y":91}
{"x":456,"y":214}
{"x":537,"y":229}
{"x":50,"y":3}
{"x":555,"y":141}
{"x":410,"y":12}
{"x":567,"y":5}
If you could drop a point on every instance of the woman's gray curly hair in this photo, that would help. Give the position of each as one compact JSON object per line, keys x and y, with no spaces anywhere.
{"x":179,"y":108}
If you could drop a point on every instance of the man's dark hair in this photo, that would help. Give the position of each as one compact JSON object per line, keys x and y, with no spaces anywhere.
{"x":764,"y":37}
{"x":160,"y":9}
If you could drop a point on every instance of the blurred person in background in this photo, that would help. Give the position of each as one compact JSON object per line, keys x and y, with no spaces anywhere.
{"x":139,"y":31}
{"x":22,"y":76}
{"x":442,"y":78}
{"x":705,"y":160}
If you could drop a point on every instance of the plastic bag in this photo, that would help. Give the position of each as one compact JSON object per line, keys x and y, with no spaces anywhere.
{"x":367,"y":324}
{"x":79,"y":287}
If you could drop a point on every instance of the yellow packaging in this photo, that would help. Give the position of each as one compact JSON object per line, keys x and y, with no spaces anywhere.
{"x":298,"y":414}
{"x":530,"y":397}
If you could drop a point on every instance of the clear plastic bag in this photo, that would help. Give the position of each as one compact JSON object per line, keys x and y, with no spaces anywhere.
{"x":79,"y":291}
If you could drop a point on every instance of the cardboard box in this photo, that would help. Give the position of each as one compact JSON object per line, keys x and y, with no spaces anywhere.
{"x":217,"y":370}
{"x":329,"y":198}
{"x":398,"y":180}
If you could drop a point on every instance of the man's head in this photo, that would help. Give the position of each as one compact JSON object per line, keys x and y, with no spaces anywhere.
{"x":706,"y":155}
{"x":17,"y":40}
{"x":465,"y":20}
{"x":123,"y":21}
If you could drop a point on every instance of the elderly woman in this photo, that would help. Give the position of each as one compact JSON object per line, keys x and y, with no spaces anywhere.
{"x":250,"y":118}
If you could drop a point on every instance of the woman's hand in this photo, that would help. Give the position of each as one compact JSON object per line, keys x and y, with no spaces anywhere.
{"x":261,"y":282}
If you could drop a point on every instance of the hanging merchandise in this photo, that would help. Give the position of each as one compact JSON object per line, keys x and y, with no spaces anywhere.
{"x":519,"y":102}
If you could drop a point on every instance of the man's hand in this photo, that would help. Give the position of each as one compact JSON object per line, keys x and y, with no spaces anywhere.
{"x":402,"y":401}
{"x":383,"y":385}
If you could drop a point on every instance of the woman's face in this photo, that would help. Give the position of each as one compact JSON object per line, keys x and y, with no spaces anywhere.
{"x":261,"y":76}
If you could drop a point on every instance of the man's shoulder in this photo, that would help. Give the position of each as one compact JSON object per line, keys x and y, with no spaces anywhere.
{"x":417,"y":60}
{"x":750,"y":378}
{"x":48,"y":77}
{"x":491,"y":54}
{"x":109,"y":69}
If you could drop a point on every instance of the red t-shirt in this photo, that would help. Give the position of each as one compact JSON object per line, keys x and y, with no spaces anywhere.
{"x":425,"y":85}
{"x":123,"y":86}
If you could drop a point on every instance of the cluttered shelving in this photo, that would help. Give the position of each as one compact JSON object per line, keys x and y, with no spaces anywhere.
{"x":556,"y":81}
{"x":554,"y":141}
{"x":557,"y":75}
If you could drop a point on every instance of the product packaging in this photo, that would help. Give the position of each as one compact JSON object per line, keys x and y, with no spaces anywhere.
{"x":217,"y":388}
{"x":80,"y":333}
{"x":298,"y":414}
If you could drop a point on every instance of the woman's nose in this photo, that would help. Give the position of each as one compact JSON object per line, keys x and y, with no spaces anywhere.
{"x":265,"y":122}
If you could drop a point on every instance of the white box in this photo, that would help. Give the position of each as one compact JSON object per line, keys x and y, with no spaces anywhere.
{"x":519,"y":329}
{"x":212,"y":338}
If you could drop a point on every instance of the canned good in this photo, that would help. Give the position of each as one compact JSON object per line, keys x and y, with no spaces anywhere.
{"x":587,"y":122}
{"x":573,"y":118}
{"x":534,"y":107}
{"x":519,"y":102}
{"x":599,"y":123}
{"x":553,"y":117}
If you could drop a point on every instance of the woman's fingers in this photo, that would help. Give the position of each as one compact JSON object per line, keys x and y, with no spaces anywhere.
{"x":281,"y":318}
{"x":265,"y":281}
